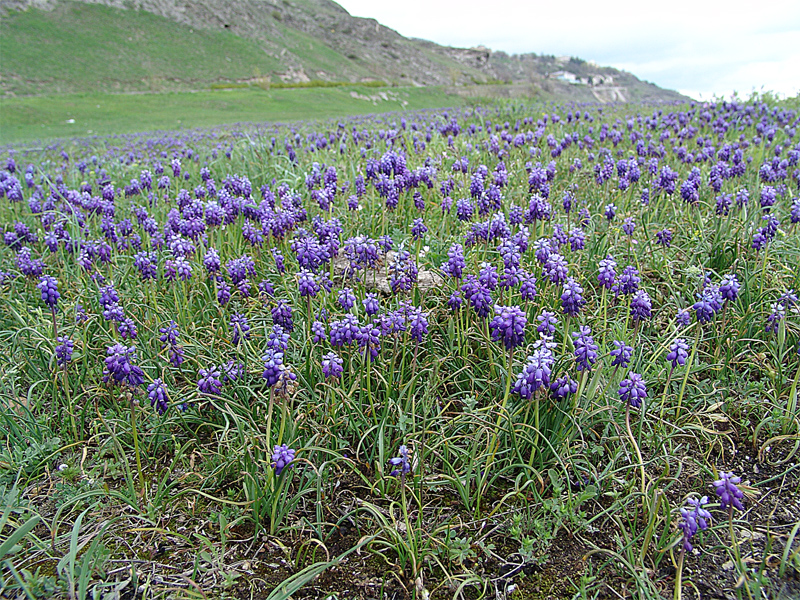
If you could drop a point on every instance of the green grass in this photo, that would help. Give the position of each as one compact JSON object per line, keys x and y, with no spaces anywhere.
{"x":78,"y":47}
{"x":42,"y":117}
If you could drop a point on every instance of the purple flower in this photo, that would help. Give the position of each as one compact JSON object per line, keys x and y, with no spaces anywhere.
{"x":728,"y":491}
{"x":48,"y":286}
{"x":332,"y":366}
{"x":282,"y":457}
{"x":536,"y":372}
{"x":454,"y":301}
{"x":223,"y":293}
{"x":157,"y":392}
{"x":607,"y":272}
{"x":273,"y":367}
{"x":401,"y":463}
{"x":628,"y":226}
{"x":556,"y":268}
{"x":417,"y":321}
{"x":120,"y":367}
{"x":240,"y":327}
{"x":621,"y":354}
{"x":694,"y":517}
{"x":232,"y":370}
{"x":729,"y":287}
{"x":664,"y":237}
{"x":418,"y":229}
{"x":307,"y":283}
{"x":585,"y":348}
{"x":628,"y":282}
{"x":210,"y":381}
{"x":318,"y":332}
{"x":776,"y":315}
{"x":282,"y":315}
{"x":127,"y":329}
{"x":547,"y":323}
{"x":278,"y":339}
{"x":371,"y":304}
{"x":633,"y":390}
{"x":455,"y":265}
{"x":108,"y":296}
{"x":610,"y":212}
{"x":683,"y":317}
{"x":572,"y":297}
{"x":64,"y":351}
{"x":563,"y":387}
{"x":641,"y":307}
{"x":678,"y":353}
{"x":577,"y":239}
{"x":527,"y":287}
{"x":147,"y":264}
{"x":403,"y":272}
{"x":346,"y":298}
{"x":508,"y":326}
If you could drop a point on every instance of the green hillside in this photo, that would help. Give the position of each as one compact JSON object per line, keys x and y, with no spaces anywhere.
{"x":68,"y":115}
{"x":75,"y":46}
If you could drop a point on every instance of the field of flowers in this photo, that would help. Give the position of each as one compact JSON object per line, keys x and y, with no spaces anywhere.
{"x":510,"y":351}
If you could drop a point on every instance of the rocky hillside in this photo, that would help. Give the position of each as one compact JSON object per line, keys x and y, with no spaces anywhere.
{"x":285,"y":40}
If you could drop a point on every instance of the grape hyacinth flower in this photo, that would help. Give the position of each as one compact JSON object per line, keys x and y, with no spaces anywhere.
{"x":120,"y":368}
{"x":273,"y":367}
{"x":607,"y":273}
{"x":683,"y":318}
{"x":282,"y":315}
{"x":240,"y":327}
{"x":621,"y":354}
{"x":641,"y":307}
{"x":307,"y":283}
{"x":508,"y":326}
{"x":48,"y":286}
{"x":728,"y":491}
{"x":572,"y":297}
{"x":547,"y":323}
{"x":628,"y":226}
{"x":678,"y":353}
{"x":664,"y":238}
{"x":633,"y":390}
{"x":210,"y":381}
{"x":282,"y":457}
{"x":157,"y":392}
{"x":64,"y":351}
{"x":418,"y":229}
{"x":563,"y":387}
{"x":401,"y":463}
{"x":527,"y":287}
{"x":694,"y":517}
{"x":729,"y":288}
{"x":371,"y":304}
{"x":585,"y":348}
{"x":346,"y":299}
{"x":535,"y":374}
{"x":332,"y":365}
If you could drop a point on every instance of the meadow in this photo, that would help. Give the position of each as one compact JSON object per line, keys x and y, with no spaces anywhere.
{"x":505,"y":351}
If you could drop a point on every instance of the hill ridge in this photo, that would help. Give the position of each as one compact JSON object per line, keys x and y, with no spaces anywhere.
{"x":304,"y":40}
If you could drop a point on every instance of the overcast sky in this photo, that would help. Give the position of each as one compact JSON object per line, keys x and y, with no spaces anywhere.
{"x":698,"y":47}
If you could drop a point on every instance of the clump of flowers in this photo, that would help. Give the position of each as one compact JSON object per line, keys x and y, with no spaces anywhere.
{"x":728,"y":491}
{"x":282,"y":457}
{"x":694,"y":517}
{"x":120,"y":368}
{"x":633,"y":390}
{"x":508,"y":326}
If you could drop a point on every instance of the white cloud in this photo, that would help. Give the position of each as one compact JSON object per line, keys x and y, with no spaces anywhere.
{"x":710,"y":47}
